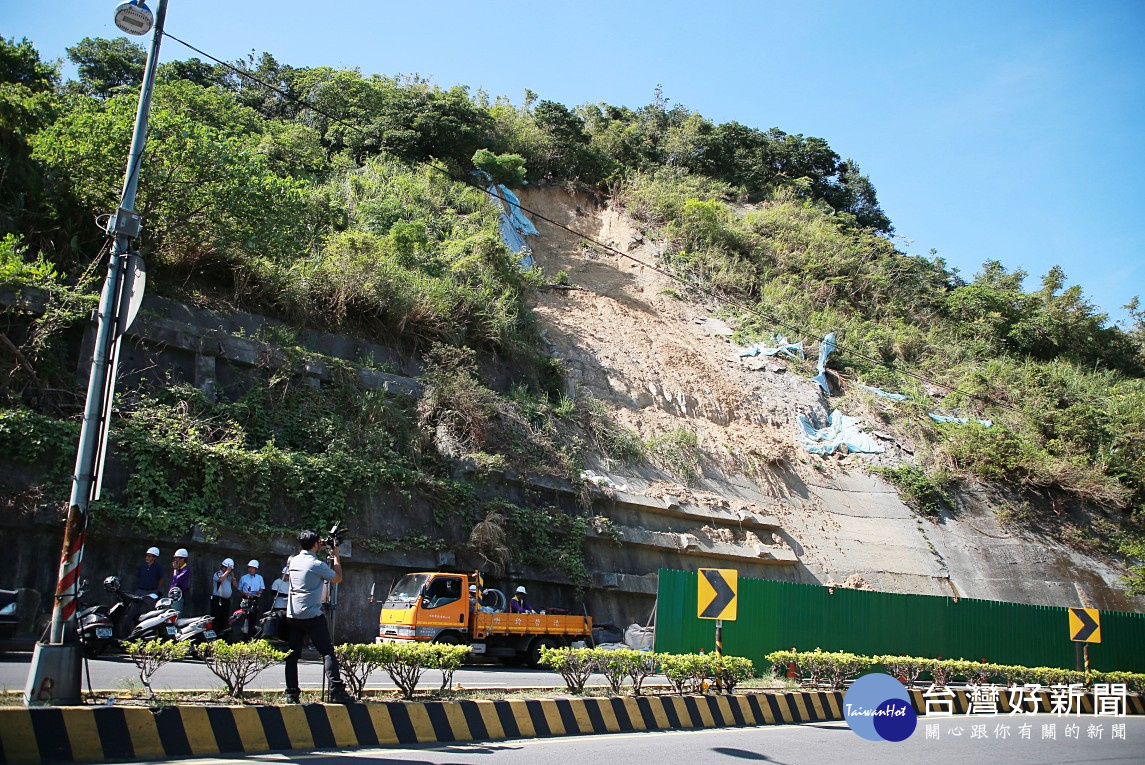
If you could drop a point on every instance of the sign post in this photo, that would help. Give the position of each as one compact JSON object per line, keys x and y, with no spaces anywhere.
{"x":718,"y":599}
{"x":1085,"y":628}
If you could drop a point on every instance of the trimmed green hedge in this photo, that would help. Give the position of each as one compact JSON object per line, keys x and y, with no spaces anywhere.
{"x":688,"y":673}
{"x":836,"y":668}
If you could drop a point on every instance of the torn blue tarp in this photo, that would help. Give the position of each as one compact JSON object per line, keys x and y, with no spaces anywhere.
{"x":960,"y":420}
{"x":513,"y":224}
{"x":825,"y":349}
{"x":884,"y":394}
{"x":840,"y":430}
{"x":778,"y":345}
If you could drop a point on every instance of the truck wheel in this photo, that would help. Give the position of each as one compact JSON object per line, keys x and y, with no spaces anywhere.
{"x":534,"y":655}
{"x":449,"y":638}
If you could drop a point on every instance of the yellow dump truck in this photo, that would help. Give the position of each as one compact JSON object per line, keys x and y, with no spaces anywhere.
{"x":439,"y":607}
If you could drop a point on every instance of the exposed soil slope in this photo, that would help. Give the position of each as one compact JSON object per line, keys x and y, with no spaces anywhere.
{"x":628,"y":338}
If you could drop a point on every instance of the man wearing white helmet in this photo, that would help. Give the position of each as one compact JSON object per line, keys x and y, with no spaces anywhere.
{"x":518,"y":605}
{"x":223,"y":587}
{"x":149,"y":577}
{"x":251,"y":584}
{"x":181,"y":577}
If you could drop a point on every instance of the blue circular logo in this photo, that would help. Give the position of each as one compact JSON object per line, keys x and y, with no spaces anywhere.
{"x":878,"y":708}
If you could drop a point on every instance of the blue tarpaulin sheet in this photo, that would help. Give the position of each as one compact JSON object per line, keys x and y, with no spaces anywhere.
{"x":777,"y":346}
{"x":884,"y":394}
{"x":960,"y":420}
{"x":825,"y":349}
{"x":840,"y":430}
{"x":513,"y":225}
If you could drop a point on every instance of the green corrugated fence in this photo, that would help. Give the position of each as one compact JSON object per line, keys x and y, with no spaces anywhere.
{"x":774,"y":616}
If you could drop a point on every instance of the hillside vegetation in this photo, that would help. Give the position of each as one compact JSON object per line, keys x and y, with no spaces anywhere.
{"x":355,"y":213}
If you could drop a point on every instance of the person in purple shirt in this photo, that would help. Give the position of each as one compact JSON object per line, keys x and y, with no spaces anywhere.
{"x":181,"y":577}
{"x":518,"y":605}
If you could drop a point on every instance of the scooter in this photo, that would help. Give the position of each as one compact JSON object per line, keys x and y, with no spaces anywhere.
{"x":161,"y":623}
{"x":101,"y":625}
{"x":195,"y":630}
{"x":242,"y":624}
{"x":97,"y":625}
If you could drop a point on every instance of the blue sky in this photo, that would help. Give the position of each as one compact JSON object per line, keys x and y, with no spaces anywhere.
{"x":991,"y":130}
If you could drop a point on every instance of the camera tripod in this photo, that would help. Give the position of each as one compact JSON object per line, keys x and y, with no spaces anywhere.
{"x":330,"y":606}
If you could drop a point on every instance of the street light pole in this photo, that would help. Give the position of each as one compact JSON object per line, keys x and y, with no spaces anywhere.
{"x":54,"y":676}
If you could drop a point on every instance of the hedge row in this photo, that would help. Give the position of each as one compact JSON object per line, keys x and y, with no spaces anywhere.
{"x":688,"y":673}
{"x":836,"y":668}
{"x":236,"y":664}
{"x":403,"y":662}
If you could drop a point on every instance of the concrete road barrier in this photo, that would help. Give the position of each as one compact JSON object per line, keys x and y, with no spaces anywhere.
{"x":108,"y":733}
{"x":90,"y":734}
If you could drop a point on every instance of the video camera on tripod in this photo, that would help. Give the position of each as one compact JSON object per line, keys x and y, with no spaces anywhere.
{"x":334,"y":537}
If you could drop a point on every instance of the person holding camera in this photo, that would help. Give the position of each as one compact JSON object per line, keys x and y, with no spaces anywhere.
{"x":307,"y":574}
{"x":224,"y":585}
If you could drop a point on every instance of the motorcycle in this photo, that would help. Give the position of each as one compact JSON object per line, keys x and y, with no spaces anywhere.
{"x":101,"y":625}
{"x":195,"y":630}
{"x":160,"y":623}
{"x":243,"y":622}
{"x":97,"y":625}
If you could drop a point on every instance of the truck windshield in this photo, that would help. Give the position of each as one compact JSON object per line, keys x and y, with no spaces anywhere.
{"x":407,"y":590}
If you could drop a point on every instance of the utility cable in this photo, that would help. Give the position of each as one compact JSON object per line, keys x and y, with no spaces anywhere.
{"x":736,"y":302}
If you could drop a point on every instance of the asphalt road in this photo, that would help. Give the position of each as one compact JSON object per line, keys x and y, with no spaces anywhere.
{"x":776,"y":744}
{"x":118,"y":672}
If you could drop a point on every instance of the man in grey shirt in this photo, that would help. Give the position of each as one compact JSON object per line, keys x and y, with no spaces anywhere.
{"x":307,"y":574}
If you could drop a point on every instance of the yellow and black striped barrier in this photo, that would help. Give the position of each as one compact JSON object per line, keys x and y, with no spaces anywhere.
{"x":88,"y":734}
{"x":91,"y":734}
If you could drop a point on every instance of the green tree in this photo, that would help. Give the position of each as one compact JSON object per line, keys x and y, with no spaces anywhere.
{"x":107,"y":65}
{"x":505,"y":169}
{"x":29,"y":203}
{"x":207,"y":196}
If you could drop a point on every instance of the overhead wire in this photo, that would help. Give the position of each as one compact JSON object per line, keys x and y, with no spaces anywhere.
{"x":712,"y":292}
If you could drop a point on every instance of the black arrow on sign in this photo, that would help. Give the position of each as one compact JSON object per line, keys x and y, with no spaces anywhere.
{"x":724,"y":594}
{"x":1088,"y":625}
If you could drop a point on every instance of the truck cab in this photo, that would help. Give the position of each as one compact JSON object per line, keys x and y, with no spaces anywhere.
{"x":438,"y":607}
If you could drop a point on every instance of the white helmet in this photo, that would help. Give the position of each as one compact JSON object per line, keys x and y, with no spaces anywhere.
{"x":521,"y":590}
{"x":285,"y":569}
{"x":473,"y":588}
{"x":252,"y":563}
{"x":153,"y":551}
{"x":229,"y":562}
{"x":182,"y":553}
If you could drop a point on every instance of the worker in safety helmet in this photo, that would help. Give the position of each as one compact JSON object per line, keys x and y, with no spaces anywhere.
{"x":251,"y":583}
{"x":149,"y":576}
{"x":518,"y":605}
{"x":181,"y":577}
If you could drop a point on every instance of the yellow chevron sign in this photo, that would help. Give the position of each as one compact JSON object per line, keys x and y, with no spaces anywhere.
{"x":1084,"y":625}
{"x":717,"y":595}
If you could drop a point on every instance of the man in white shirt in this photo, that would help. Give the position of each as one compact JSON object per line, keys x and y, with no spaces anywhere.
{"x":251,"y":584}
{"x":224,"y":584}
{"x":308,"y":575}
